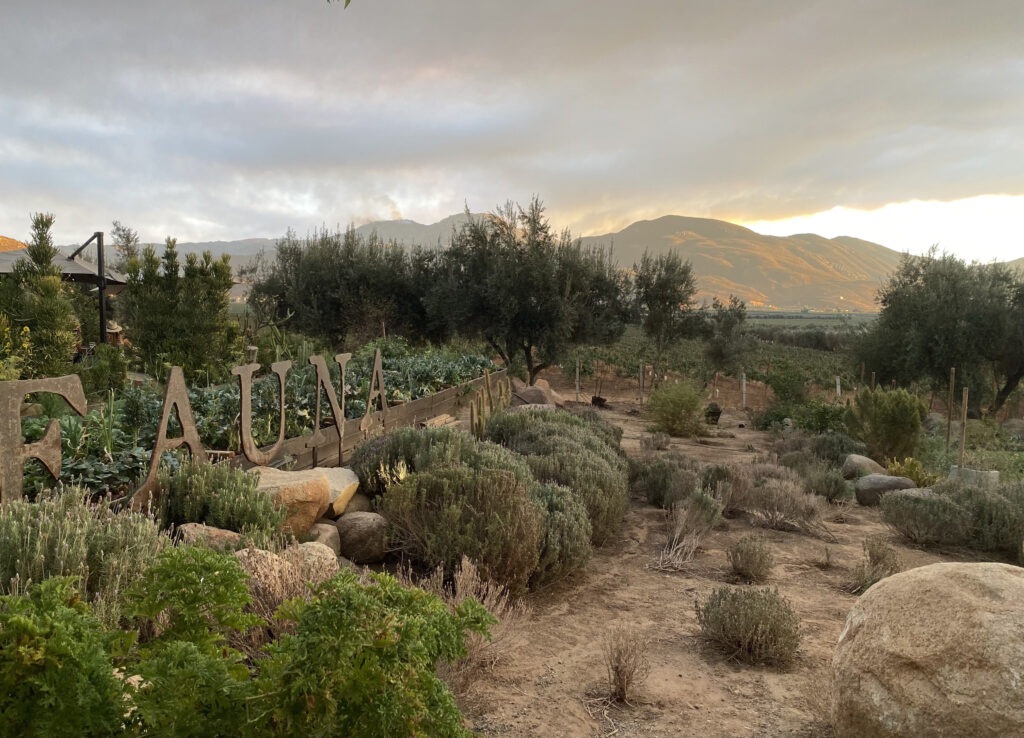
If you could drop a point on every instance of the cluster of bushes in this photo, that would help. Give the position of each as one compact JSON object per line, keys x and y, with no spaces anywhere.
{"x":525,"y":510}
{"x":360,"y":657}
{"x":988,"y":520}
{"x":677,"y":409}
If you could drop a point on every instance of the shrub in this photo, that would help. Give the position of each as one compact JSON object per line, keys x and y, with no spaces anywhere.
{"x":750,"y":558}
{"x":995,"y":522}
{"x":565,"y":534}
{"x":55,"y":667}
{"x":381,"y":462}
{"x":483,"y":651}
{"x":677,"y":409}
{"x":655,"y":442}
{"x":565,"y":449}
{"x":753,"y":625}
{"x":218,"y":495}
{"x":691,"y":522}
{"x":816,"y":416}
{"x":888,"y":421}
{"x":488,"y":516}
{"x":880,"y":561}
{"x":375,"y":680}
{"x":625,"y":660}
{"x":667,"y":480}
{"x":104,"y":371}
{"x":193,"y":594}
{"x":799,"y":461}
{"x":62,"y":533}
{"x":833,"y":448}
{"x":789,"y":384}
{"x":912,"y":469}
{"x":735,"y":484}
{"x":781,"y":504}
{"x":827,"y":482}
{"x":925,"y":518}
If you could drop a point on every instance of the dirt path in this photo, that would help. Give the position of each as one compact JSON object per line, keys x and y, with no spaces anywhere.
{"x":553,"y":682}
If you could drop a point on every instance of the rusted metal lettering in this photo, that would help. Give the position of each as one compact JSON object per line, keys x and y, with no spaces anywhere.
{"x":13,"y":450}
{"x":249,"y":447}
{"x":175,"y":400}
{"x":323,"y":384}
{"x":376,"y":391}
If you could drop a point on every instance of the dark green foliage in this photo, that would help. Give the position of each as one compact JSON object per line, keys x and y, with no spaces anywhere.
{"x":926,"y":518}
{"x":677,"y":409}
{"x":374,"y":676}
{"x":666,"y":480}
{"x":833,"y":448}
{"x":827,"y":482}
{"x":509,"y":280}
{"x":789,"y":384}
{"x":713,"y":476}
{"x":728,"y":344}
{"x":568,"y":450}
{"x":888,"y":421}
{"x":487,"y":515}
{"x":178,"y":315}
{"x":995,"y":521}
{"x":799,"y":461}
{"x":815,"y":416}
{"x":750,"y":558}
{"x":565,"y":533}
{"x":195,"y":594}
{"x":665,"y":287}
{"x":104,"y":371}
{"x":189,"y":692}
{"x":218,"y":495}
{"x":940,"y":312}
{"x":754,"y":625}
{"x":56,"y":675}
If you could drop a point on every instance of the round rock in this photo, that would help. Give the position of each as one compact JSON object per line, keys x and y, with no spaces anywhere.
{"x":870,"y":489}
{"x":362,"y":536}
{"x":856,"y":465}
{"x":934,"y":651}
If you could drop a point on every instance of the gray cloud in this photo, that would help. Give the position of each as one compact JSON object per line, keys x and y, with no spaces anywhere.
{"x":234,"y":118}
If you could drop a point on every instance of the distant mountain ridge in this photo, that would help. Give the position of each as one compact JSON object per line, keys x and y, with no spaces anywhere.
{"x":802,"y":271}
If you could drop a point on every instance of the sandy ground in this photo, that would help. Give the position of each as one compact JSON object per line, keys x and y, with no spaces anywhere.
{"x":553,"y":682}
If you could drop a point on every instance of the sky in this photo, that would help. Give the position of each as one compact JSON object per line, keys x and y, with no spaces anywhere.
{"x":899,"y":122}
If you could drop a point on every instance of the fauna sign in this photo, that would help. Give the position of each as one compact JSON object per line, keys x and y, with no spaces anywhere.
{"x":14,"y":451}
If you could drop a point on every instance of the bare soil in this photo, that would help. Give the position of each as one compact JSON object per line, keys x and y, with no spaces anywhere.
{"x":553,"y":682}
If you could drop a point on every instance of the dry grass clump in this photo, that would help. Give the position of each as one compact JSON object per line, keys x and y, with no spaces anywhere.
{"x":735,"y":483}
{"x":625,"y":659}
{"x":754,"y":625}
{"x":750,"y":558}
{"x":655,"y":442}
{"x":781,"y":504}
{"x":691,"y":521}
{"x":481,"y":653}
{"x":272,"y":580}
{"x":880,"y":561}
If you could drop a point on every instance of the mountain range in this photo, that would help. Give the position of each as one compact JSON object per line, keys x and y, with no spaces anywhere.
{"x":802,"y":271}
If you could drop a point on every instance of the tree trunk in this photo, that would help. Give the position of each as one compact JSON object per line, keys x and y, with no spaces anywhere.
{"x":1011,"y":384}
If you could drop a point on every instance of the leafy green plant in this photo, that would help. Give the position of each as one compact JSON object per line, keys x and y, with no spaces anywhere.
{"x":816,"y":416}
{"x":57,"y":679}
{"x":565,"y":533}
{"x":375,"y":680}
{"x":888,"y":421}
{"x":833,"y":448}
{"x":754,"y":625}
{"x":676,"y":409}
{"x":487,"y":516}
{"x":218,"y":495}
{"x":925,"y":518}
{"x":106,"y":370}
{"x":63,"y":533}
{"x":750,"y":558}
{"x":827,"y":482}
{"x":912,"y":469}
{"x":666,"y":480}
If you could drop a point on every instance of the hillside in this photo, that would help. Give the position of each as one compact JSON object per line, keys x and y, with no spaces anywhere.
{"x":9,"y":244}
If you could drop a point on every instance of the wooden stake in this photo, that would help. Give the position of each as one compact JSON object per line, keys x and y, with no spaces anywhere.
{"x":872,"y":381}
{"x":743,"y":391}
{"x":949,"y":407}
{"x":839,"y":389}
{"x":963,"y":431}
{"x":577,"y":379}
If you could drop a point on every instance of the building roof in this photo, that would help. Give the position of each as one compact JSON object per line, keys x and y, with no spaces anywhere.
{"x":74,"y":270}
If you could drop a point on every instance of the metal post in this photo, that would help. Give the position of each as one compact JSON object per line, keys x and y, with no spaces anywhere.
{"x":949,"y":407}
{"x":102,"y":284}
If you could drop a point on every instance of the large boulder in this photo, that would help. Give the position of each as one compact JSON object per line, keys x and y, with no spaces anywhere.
{"x":218,"y":538}
{"x":342,"y":483}
{"x":553,"y":397}
{"x":314,"y":561}
{"x":856,"y":465}
{"x":869,"y":489}
{"x":306,"y":494}
{"x":359,"y":503}
{"x":272,"y":578}
{"x":363,"y":536}
{"x":531,"y":396}
{"x":934,"y":651}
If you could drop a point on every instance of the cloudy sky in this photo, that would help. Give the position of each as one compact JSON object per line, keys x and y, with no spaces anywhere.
{"x":901,"y":121}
